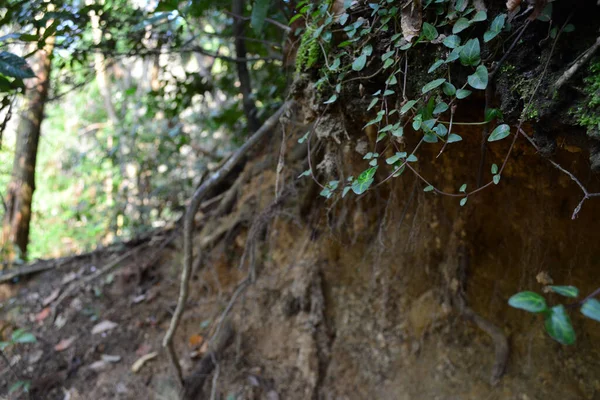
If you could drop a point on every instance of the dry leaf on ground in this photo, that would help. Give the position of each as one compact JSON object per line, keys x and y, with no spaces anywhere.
{"x":64,"y":344}
{"x":103,"y":327}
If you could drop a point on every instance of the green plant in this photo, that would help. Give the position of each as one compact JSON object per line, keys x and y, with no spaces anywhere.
{"x":345,"y":41}
{"x":556,"y":318}
{"x":588,"y":112}
{"x":19,"y":336}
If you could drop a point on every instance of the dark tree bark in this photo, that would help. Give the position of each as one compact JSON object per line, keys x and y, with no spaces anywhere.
{"x":15,"y":232}
{"x":237,"y":9}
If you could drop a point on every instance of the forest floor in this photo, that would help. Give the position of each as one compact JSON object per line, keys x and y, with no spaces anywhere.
{"x":89,"y":347}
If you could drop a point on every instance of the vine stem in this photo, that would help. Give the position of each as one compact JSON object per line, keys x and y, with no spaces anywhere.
{"x":588,"y":297}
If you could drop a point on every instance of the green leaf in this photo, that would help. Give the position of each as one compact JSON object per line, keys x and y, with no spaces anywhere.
{"x":461,"y":5}
{"x":479,"y":16}
{"x":452,"y":41}
{"x":18,"y":385}
{"x":492,"y":113}
{"x":372,"y":104}
{"x":432,"y":85}
{"x":448,"y":89}
{"x":463,"y":188}
{"x":567,"y":291}
{"x":409,"y":104}
{"x":591,"y":309}
{"x":332,"y":99}
{"x":4,"y":345}
{"x":441,"y":130}
{"x":361,"y":186}
{"x":494,"y":169}
{"x":430,"y":138}
{"x":22,"y":336}
{"x":558,"y":325}
{"x":440,"y":108}
{"x":453,"y":138}
{"x":462,"y":93}
{"x":345,"y":191}
{"x":260,"y":8}
{"x":546,"y":14}
{"x":398,"y":132}
{"x":360,"y":62}
{"x":335,"y":64}
{"x":528,"y":301}
{"x":460,"y":25}
{"x":499,"y":133}
{"x":305,"y":173}
{"x":412,"y":158}
{"x":569,"y":28}
{"x":495,"y":28}
{"x":496,"y":179}
{"x":479,"y":80}
{"x":428,"y":188}
{"x":463,"y":201}
{"x":470,"y":53}
{"x":14,"y":66}
{"x":429,"y":31}
{"x":454,"y":54}
{"x":498,"y":23}
{"x":435,"y":66}
{"x":303,"y":138}
{"x":395,"y":157}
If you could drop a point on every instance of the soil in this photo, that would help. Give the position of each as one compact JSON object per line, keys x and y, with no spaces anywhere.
{"x":361,"y":297}
{"x":353,"y":300}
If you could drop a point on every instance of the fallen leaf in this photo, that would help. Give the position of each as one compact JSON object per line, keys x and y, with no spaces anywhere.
{"x":110,"y":359}
{"x":42,"y":315}
{"x":64,"y":344}
{"x":196,"y":340}
{"x":35,"y":356}
{"x":151,"y":295}
{"x":138,"y":299}
{"x":103,"y":327}
{"x":139,"y":363}
{"x":411,"y":19}
{"x":61,"y":320}
{"x":100,"y":365}
{"x":53,"y":296}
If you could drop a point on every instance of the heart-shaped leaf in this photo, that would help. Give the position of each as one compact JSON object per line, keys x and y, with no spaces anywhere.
{"x":470,"y":53}
{"x":360,"y":62}
{"x":479,"y":80}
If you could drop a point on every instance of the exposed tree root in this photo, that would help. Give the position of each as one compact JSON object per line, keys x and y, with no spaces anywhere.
{"x":502,"y":349}
{"x":568,"y":74}
{"x":192,"y":385}
{"x":188,"y":231}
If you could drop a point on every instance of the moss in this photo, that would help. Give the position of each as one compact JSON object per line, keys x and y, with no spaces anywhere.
{"x":308,"y":51}
{"x":587,"y":112}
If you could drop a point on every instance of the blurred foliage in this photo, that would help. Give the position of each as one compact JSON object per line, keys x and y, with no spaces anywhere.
{"x":172,"y":81}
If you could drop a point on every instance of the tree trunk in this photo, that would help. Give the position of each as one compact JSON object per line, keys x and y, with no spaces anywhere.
{"x":244,"y":76}
{"x":15,"y":232}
